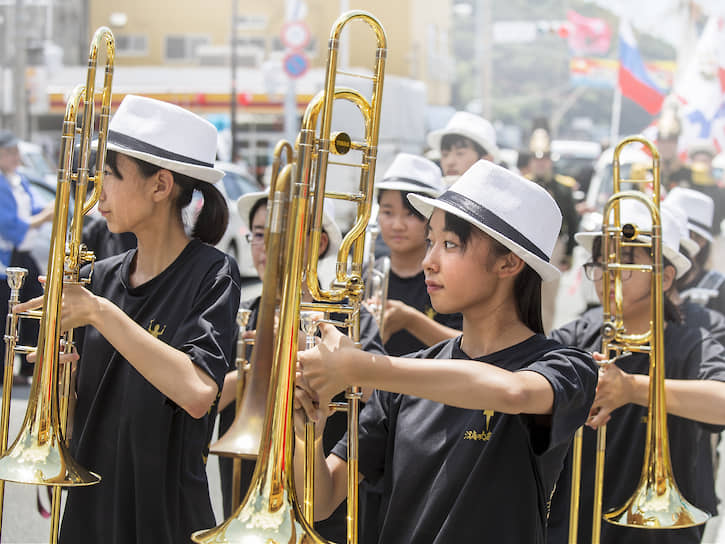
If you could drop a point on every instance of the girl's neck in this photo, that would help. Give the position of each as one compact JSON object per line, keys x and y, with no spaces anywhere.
{"x":408,"y":264}
{"x":158,"y":247}
{"x":492,"y":327}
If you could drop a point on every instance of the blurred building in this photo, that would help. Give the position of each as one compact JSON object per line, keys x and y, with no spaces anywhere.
{"x":192,"y":34}
{"x":183,"y":55}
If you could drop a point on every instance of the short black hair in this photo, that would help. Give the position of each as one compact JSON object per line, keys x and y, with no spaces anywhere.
{"x":458,"y":140}
{"x":404,"y":200}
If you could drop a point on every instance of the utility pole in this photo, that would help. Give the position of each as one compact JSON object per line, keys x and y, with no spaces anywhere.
{"x":19,"y":94}
{"x":483,"y":13}
{"x":233,"y":92}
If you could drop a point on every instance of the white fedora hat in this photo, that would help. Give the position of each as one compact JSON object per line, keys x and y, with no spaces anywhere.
{"x":638,"y":214}
{"x":691,"y":247}
{"x":515,"y":211}
{"x":471,"y":126}
{"x":699,"y":207}
{"x":412,"y":174}
{"x":327,"y":265}
{"x":165,"y":135}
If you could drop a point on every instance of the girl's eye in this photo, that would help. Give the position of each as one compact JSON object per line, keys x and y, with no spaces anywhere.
{"x":450,"y":245}
{"x":428,"y":242}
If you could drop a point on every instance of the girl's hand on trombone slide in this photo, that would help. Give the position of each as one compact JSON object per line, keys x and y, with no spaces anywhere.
{"x":80,"y":307}
{"x":323,"y":367}
{"x":614,"y":389}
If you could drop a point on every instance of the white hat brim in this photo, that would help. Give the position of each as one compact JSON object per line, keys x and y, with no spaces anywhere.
{"x":706,"y":234}
{"x":435,"y":137}
{"x":406,"y":187}
{"x":202,"y":173}
{"x":681,"y":263}
{"x":426,"y":205}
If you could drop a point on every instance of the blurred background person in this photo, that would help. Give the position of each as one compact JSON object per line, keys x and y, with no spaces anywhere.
{"x":20,"y":216}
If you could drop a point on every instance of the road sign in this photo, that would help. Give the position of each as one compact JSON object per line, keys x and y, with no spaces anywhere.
{"x":295,"y":64}
{"x":295,"y":35}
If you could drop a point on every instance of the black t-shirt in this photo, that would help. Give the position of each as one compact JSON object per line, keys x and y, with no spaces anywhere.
{"x":413,"y":292}
{"x":336,"y":424}
{"x":456,"y":475}
{"x":150,"y":453}
{"x":690,"y":353}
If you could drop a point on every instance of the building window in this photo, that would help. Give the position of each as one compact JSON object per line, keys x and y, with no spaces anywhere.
{"x":132,"y":45}
{"x":182,"y":47}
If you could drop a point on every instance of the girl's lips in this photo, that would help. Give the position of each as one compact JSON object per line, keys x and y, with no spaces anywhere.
{"x":432,"y":286}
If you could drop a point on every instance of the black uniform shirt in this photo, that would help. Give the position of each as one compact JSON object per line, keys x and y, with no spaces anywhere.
{"x":690,"y":353}
{"x":413,"y":292}
{"x":456,"y":475}
{"x":150,"y":453}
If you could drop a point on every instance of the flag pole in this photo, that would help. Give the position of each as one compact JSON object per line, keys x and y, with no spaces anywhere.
{"x":616,"y":114}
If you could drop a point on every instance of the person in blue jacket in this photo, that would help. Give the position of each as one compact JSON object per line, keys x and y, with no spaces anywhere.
{"x":20,"y":216}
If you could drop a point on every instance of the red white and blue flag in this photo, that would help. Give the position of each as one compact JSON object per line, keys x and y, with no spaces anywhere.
{"x":634,"y":82}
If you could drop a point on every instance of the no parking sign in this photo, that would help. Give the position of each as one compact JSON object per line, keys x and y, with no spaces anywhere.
{"x":295,"y":64}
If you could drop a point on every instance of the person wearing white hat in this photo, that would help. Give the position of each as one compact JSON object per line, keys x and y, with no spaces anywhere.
{"x":159,"y":334}
{"x":468,"y":435}
{"x":411,"y":323}
{"x":694,"y":363}
{"x":703,"y":286}
{"x":253,"y":212}
{"x":466,"y":139}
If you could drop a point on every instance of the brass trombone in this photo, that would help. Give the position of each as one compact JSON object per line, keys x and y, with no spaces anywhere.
{"x":376,"y":280}
{"x":656,"y":503}
{"x":39,"y":455}
{"x":271,"y":511}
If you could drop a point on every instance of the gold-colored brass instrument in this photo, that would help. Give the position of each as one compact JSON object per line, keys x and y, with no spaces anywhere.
{"x":657,"y":502}
{"x":242,"y":439}
{"x":39,"y":455}
{"x":376,"y":280}
{"x":271,"y":511}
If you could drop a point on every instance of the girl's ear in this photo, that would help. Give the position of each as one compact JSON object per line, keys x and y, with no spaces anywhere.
{"x":163,"y":185}
{"x":509,"y":265}
{"x":668,"y":277}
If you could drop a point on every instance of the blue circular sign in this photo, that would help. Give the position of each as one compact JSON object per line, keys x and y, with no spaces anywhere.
{"x":295,"y":64}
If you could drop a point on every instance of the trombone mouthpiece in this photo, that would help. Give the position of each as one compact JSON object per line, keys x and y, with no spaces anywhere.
{"x":16,"y":277}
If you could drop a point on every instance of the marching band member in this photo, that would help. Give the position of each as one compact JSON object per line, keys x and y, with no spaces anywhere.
{"x":694,"y":368}
{"x":466,"y":139}
{"x":253,"y":211}
{"x":468,"y":435}
{"x":700,"y":285}
{"x":159,"y":332}
{"x":411,"y":323}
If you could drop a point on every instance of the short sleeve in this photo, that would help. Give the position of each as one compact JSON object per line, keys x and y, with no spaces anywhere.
{"x":711,"y":355}
{"x":370,"y":340}
{"x":208,"y":336}
{"x":572,"y":375}
{"x":374,"y":431}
